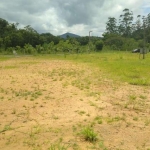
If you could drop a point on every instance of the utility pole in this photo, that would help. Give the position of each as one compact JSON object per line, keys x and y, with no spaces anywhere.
{"x":89,"y":40}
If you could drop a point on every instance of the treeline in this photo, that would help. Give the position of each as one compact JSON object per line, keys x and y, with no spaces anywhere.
{"x":127,"y":32}
{"x":29,"y":41}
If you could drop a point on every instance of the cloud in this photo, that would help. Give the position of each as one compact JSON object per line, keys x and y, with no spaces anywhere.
{"x":77,"y":12}
{"x":76,"y":16}
{"x":146,"y":7}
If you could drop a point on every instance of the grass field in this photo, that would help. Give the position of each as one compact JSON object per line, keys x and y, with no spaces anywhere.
{"x":95,"y":101}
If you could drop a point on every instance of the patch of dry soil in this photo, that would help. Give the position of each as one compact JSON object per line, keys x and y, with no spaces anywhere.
{"x":46,"y":102}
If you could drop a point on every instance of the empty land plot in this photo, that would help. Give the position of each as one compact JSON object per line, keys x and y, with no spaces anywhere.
{"x":46,"y":104}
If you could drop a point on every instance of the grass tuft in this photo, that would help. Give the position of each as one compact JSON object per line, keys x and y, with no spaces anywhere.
{"x":89,"y":134}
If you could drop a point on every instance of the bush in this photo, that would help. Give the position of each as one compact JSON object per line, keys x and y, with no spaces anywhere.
{"x":115,"y":42}
{"x":99,"y":45}
{"x":29,"y":49}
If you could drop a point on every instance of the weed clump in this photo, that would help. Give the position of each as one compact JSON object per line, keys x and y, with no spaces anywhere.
{"x":58,"y":146}
{"x":89,"y":134}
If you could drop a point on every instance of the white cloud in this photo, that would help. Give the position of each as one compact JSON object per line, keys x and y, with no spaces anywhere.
{"x":76,"y":16}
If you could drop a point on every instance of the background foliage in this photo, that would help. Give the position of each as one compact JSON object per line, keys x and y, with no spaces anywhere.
{"x":124,"y":34}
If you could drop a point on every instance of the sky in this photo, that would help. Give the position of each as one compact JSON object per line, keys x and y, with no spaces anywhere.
{"x":75,"y":16}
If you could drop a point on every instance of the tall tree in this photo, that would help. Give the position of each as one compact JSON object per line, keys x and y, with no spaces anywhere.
{"x":3,"y":26}
{"x":137,"y":32}
{"x":126,"y":20}
{"x":138,"y":22}
{"x":148,"y":28}
{"x":111,"y":26}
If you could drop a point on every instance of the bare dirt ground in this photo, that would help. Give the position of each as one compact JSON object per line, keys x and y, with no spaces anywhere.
{"x":48,"y":102}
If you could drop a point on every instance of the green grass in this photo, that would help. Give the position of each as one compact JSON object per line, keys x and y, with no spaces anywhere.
{"x":120,"y":66}
{"x":58,"y":146}
{"x":4,"y":57}
{"x":116,"y":65}
{"x":129,"y":68}
{"x":89,"y":134}
{"x":10,"y":67}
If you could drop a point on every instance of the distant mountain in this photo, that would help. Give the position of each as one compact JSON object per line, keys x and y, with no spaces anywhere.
{"x":64,"y":36}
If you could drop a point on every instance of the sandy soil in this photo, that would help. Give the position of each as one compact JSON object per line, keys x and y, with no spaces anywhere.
{"x":47,"y":102}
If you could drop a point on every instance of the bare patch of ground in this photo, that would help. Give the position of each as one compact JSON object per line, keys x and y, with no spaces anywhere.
{"x":48,"y":102}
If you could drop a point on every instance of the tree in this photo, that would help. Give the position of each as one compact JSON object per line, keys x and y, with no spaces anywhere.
{"x":16,"y":39}
{"x":137,"y":32}
{"x":115,"y":42}
{"x":83,"y":40}
{"x":111,"y":26}
{"x":138,"y":22}
{"x":146,"y":27}
{"x":75,"y":45}
{"x":126,"y":22}
{"x":3,"y":26}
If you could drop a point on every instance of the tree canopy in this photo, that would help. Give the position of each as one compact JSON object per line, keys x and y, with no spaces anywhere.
{"x":119,"y":33}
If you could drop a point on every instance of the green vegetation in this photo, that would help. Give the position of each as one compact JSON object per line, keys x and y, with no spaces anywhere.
{"x":89,"y":134}
{"x":41,"y":106}
{"x":109,"y":61}
{"x":58,"y":146}
{"x":119,"y":66}
{"x":99,"y":45}
{"x":123,"y":35}
{"x":127,"y":34}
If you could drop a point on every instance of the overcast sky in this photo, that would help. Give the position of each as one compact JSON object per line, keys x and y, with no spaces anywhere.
{"x":75,"y":16}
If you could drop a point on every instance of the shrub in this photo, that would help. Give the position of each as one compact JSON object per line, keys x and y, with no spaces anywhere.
{"x":99,"y":45}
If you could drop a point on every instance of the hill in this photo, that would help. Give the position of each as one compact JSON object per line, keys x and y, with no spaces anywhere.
{"x":69,"y":35}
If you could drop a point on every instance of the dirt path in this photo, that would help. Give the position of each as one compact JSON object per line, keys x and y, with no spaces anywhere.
{"x":48,"y":102}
